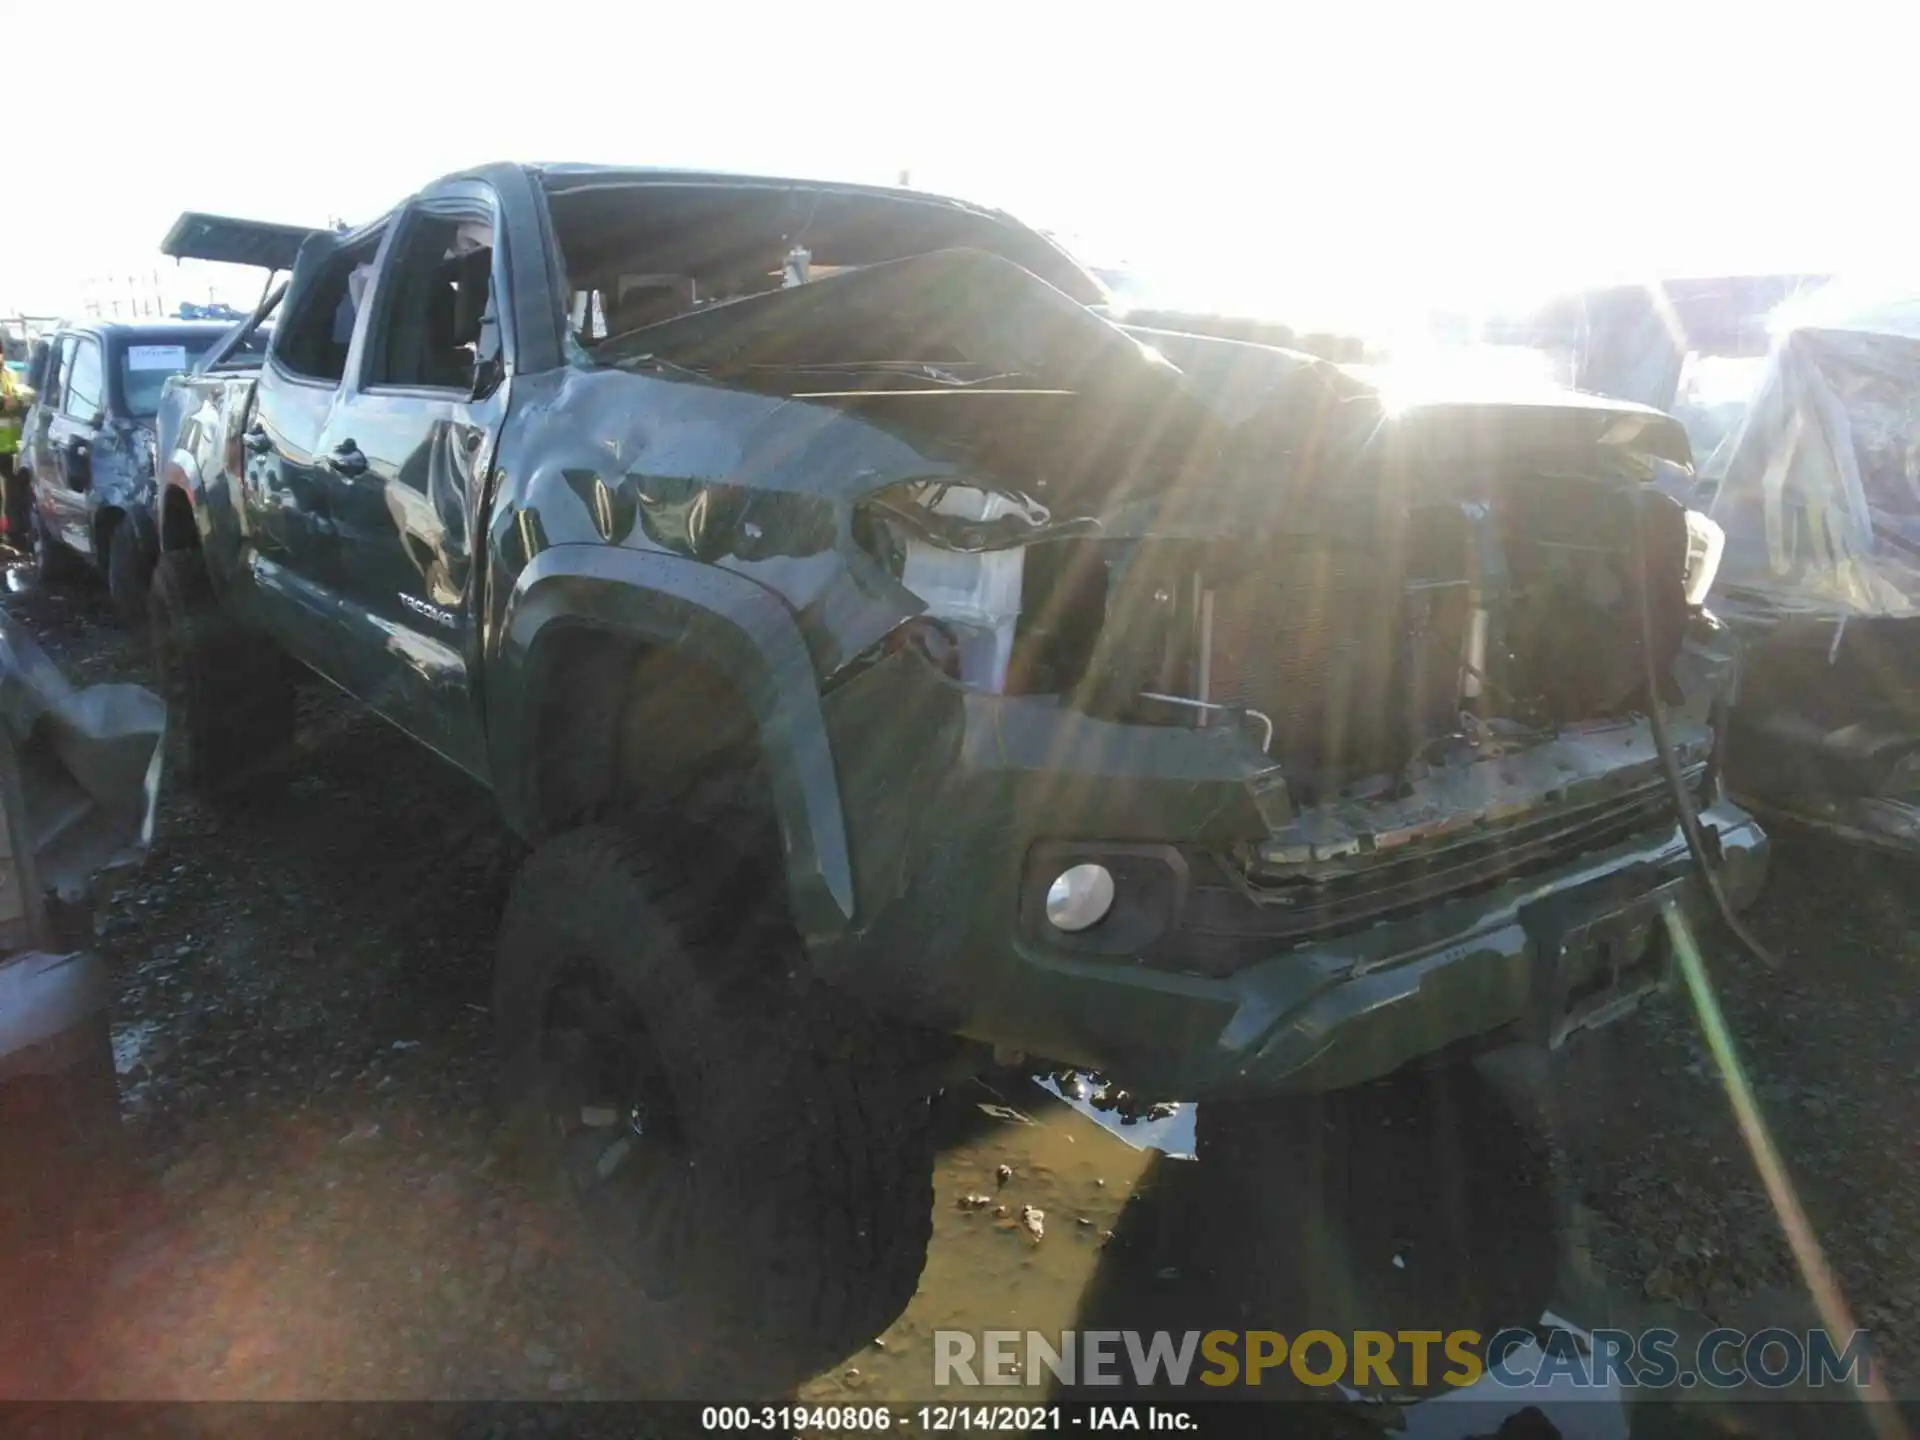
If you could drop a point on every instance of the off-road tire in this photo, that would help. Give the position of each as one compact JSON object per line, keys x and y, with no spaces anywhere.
{"x":811,"y":1161}
{"x":128,"y":574}
{"x":53,"y":563}
{"x":229,"y":693}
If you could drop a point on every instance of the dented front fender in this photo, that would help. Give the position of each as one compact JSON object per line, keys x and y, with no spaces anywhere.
{"x":724,"y":621}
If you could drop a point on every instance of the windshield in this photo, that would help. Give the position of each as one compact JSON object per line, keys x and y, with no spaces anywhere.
{"x":144,"y":370}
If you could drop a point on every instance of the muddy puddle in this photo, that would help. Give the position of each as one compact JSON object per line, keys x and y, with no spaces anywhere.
{"x":1188,"y":1222}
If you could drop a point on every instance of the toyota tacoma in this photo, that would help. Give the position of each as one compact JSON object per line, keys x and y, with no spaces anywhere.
{"x":893,"y":660}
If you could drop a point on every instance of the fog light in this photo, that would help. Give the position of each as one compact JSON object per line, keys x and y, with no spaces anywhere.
{"x":1079,"y":898}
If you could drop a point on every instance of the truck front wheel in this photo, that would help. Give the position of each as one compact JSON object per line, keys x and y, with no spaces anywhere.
{"x":128,"y":572}
{"x":229,"y":693}
{"x":53,"y":563}
{"x":747,"y":1180}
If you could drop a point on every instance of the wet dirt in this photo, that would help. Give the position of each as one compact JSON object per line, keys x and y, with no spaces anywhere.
{"x":319,"y":1211}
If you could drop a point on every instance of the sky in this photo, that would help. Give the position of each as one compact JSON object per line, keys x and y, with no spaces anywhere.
{"x":1340,"y":164}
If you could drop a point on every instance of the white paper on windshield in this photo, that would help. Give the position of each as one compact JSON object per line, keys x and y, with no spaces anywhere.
{"x":156,"y":357}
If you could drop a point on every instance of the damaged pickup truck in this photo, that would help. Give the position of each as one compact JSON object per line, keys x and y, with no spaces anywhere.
{"x":1817,"y":485}
{"x":893,"y":662}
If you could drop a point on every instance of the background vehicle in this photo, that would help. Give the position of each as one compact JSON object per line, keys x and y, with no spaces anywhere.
{"x":88,"y":449}
{"x":1797,"y":393}
{"x":893,"y":660}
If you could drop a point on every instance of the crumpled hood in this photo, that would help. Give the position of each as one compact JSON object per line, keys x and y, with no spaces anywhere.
{"x":940,"y":341}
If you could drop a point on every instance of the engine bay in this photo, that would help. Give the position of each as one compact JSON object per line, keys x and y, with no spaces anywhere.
{"x":1344,"y":657}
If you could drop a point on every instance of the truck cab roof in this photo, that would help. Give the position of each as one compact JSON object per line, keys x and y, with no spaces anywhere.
{"x":595,"y":214}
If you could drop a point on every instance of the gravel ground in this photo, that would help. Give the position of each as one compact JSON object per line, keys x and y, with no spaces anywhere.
{"x":1827,"y":1044}
{"x":306,"y":1059}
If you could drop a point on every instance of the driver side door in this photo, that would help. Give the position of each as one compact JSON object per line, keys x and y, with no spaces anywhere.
{"x":411,"y":446}
{"x":70,"y":433}
{"x":286,"y":470}
{"x":34,"y":448}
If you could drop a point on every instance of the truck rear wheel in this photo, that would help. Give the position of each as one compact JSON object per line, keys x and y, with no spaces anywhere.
{"x":229,"y":693}
{"x":747,"y":1179}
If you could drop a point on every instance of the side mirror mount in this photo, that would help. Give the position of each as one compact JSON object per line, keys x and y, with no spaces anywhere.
{"x":37,"y":366}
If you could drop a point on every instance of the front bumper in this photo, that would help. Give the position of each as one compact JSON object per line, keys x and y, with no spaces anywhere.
{"x":1359,"y":1007}
{"x":941,"y":844}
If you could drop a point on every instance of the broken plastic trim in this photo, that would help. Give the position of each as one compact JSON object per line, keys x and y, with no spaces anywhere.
{"x":980,"y":537}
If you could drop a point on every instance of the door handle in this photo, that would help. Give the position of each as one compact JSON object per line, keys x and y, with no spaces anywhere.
{"x":347,"y":459}
{"x":257,"y":440}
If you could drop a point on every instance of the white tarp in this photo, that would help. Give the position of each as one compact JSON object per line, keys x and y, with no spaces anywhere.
{"x":1818,"y":485}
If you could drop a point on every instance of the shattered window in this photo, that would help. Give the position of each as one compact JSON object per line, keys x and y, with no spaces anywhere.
{"x":313,"y":340}
{"x":589,"y":315}
{"x":638,"y":254}
{"x":434,"y":306}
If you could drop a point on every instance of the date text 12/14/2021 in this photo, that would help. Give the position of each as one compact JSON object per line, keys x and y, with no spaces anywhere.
{"x":939,"y":1419}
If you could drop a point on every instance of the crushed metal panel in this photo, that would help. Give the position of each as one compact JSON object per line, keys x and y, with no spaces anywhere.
{"x":89,"y":762}
{"x":981,"y":304}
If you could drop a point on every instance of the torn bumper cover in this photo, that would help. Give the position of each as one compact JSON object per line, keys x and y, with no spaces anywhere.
{"x":1818,"y":491}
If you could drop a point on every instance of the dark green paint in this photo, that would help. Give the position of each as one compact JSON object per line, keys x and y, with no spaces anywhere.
{"x":652,"y":506}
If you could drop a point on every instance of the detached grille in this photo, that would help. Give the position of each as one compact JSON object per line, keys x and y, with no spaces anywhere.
{"x":1445,"y":869}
